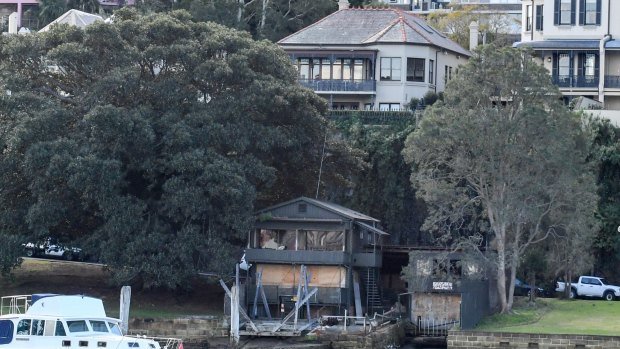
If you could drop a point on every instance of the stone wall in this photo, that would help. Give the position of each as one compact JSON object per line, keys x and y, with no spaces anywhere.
{"x":493,"y":340}
{"x":383,"y":337}
{"x":190,"y":328}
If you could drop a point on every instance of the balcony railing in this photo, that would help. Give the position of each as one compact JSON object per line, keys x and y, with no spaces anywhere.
{"x":575,"y":81}
{"x":340,"y":85}
{"x":612,"y":81}
{"x":255,"y":255}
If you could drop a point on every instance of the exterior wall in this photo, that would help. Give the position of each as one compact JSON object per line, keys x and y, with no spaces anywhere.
{"x":576,"y":31}
{"x":493,"y":340}
{"x":435,"y":309}
{"x":402,"y":91}
{"x":532,"y":35}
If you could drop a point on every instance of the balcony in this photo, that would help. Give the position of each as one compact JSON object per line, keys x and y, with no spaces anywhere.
{"x":266,"y":255}
{"x":579,"y":81}
{"x":362,"y":86}
{"x":612,"y":81}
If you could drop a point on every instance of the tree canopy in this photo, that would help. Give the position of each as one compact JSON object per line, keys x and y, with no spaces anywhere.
{"x":502,"y":163}
{"x":152,"y":138}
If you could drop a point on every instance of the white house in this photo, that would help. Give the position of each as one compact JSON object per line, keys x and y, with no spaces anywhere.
{"x":373,"y":58}
{"x":575,"y":41}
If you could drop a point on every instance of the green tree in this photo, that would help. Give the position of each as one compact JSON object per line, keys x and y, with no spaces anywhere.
{"x":501,"y":147}
{"x":152,"y":137}
{"x":49,"y":10}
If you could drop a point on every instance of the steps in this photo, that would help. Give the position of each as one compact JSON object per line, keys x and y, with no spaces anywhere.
{"x":373,"y":295}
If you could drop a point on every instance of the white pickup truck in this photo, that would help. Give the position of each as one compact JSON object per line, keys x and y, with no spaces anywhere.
{"x":591,"y":286}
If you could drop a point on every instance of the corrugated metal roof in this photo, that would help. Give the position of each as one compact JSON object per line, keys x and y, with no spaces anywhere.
{"x":371,"y":26}
{"x":371,"y":228}
{"x":560,"y":44}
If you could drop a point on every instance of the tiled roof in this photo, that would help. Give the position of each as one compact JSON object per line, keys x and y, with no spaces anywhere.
{"x":371,"y":26}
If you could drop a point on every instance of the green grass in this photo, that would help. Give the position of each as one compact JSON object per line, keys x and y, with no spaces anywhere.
{"x":554,"y":316}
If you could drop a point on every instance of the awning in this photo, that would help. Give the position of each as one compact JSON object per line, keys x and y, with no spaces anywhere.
{"x":371,"y":228}
{"x":560,"y":44}
{"x":613,"y":44}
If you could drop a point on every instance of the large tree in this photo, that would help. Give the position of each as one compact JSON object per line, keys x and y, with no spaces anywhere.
{"x":502,"y":147}
{"x":152,"y":137}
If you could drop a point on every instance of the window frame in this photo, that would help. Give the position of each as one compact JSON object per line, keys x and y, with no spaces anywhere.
{"x":564,"y":12}
{"x":416,"y":74}
{"x":539,"y":17}
{"x":390,"y":106}
{"x":395,"y":65}
{"x":431,"y":72}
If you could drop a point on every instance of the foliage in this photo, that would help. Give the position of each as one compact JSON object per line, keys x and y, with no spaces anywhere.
{"x":493,"y":27}
{"x":381,"y":188}
{"x":505,"y":171}
{"x":152,"y":137}
{"x":10,"y":252}
{"x":607,"y":241}
{"x":49,"y":10}
{"x":553,"y":316}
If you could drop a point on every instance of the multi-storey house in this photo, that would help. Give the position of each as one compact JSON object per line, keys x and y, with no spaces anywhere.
{"x":574,"y":40}
{"x":373,"y":58}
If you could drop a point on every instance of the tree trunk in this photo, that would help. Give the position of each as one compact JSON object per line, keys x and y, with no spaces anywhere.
{"x":240,"y":12}
{"x":501,"y":273}
{"x":263,"y":17}
{"x":511,"y":286}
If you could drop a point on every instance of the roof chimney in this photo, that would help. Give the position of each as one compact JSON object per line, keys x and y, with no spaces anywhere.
{"x":473,"y":35}
{"x":343,"y":4}
{"x":13,"y":23}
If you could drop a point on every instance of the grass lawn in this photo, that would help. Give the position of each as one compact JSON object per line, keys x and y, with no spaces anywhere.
{"x":54,"y":276}
{"x":588,"y":317}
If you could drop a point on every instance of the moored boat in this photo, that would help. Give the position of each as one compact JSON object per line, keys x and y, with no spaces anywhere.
{"x":48,"y":321}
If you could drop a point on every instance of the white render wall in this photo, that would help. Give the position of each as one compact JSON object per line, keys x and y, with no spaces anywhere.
{"x":402,"y":91}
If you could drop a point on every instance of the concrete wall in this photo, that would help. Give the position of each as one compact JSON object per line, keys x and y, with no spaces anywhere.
{"x":493,"y":340}
{"x":193,"y":328}
{"x":390,"y":335}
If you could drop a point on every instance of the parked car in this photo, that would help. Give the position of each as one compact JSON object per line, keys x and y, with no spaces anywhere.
{"x":523,"y":289}
{"x":50,"y":247}
{"x":590,"y":286}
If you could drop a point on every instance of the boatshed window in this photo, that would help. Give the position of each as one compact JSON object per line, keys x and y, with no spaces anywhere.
{"x":23,"y":327}
{"x":77,"y":326}
{"x":6,"y":331}
{"x":98,"y":326}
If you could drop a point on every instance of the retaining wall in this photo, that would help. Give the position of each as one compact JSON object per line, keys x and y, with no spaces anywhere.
{"x":497,"y":340}
{"x":390,"y":335}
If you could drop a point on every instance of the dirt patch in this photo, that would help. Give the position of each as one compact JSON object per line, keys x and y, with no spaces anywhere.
{"x":52,"y":276}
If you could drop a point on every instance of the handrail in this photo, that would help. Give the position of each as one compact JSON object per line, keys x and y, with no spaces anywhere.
{"x":18,"y":304}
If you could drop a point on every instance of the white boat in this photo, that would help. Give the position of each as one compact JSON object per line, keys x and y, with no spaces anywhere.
{"x":49,"y":321}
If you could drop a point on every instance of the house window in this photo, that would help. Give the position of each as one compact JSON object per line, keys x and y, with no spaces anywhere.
{"x":304,"y":69}
{"x":390,"y":69}
{"x":589,"y":64}
{"x":415,"y":69}
{"x":539,"y":17}
{"x":358,"y":69}
{"x":389,"y":106}
{"x":528,"y":18}
{"x":590,"y":12}
{"x":326,"y":69}
{"x":431,"y":72}
{"x":563,"y":65}
{"x":564,"y":12}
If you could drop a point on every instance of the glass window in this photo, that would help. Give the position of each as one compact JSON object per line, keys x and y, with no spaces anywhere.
{"x":337,"y":70}
{"x":390,"y":69}
{"x":528,"y":18}
{"x":114,"y":328}
{"x":23,"y":327}
{"x":589,"y":64}
{"x":304,"y":68}
{"x":358,"y":69}
{"x":563,"y":65}
{"x":326,"y":69}
{"x":77,"y":326}
{"x":590,"y":11}
{"x":431,"y":71}
{"x":315,"y":69}
{"x":6,"y":331}
{"x":566,"y":11}
{"x":38,"y":327}
{"x":98,"y":326}
{"x":415,"y":69}
{"x":60,"y":329}
{"x":389,"y":106}
{"x":539,"y":17}
{"x":346,"y":69}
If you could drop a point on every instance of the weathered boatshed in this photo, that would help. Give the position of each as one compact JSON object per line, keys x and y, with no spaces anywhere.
{"x":340,"y":247}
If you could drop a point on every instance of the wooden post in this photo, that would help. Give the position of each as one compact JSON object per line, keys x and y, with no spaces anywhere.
{"x":124,"y":308}
{"x":234,"y":316}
